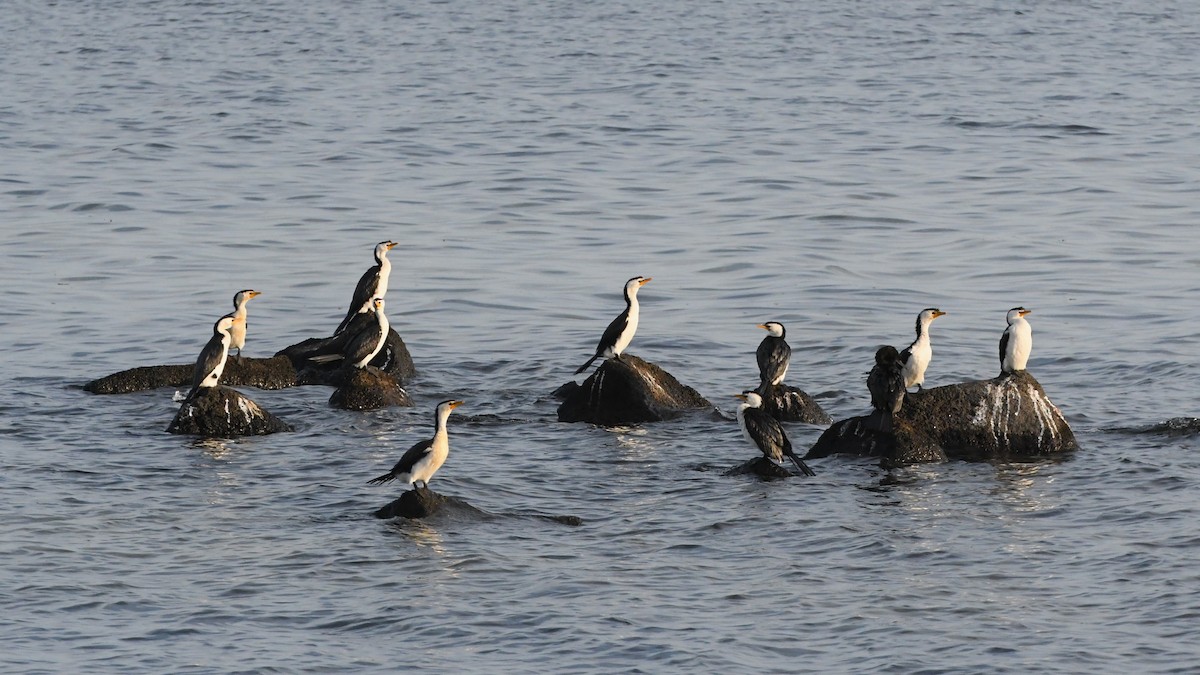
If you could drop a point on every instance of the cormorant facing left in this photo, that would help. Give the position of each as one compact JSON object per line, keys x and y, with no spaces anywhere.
{"x":765,"y":432}
{"x":1016,"y":342}
{"x":423,"y":460}
{"x":620,"y":332}
{"x":773,"y":354}
{"x":211,"y":362}
{"x":237,"y":334}
{"x":917,"y":356}
{"x":372,"y":284}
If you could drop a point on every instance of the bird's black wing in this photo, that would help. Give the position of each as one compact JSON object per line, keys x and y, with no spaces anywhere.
{"x":614,"y":330}
{"x":406,"y":463}
{"x":773,"y":355}
{"x":767,"y":433}
{"x":363,"y":343}
{"x":363,"y":292}
{"x":1004,"y":338}
{"x":209,"y":357}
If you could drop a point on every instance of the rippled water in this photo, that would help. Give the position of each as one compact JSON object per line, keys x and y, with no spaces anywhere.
{"x":837,"y":166}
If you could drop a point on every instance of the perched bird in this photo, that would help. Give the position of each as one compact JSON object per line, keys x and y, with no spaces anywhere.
{"x":917,"y":356}
{"x":364,"y":345}
{"x":211,"y":362}
{"x":886,"y":381}
{"x":620,"y":332}
{"x":372,"y":284}
{"x":237,"y":333}
{"x":1016,"y":342}
{"x":765,"y":432}
{"x":423,"y":460}
{"x":773,"y":354}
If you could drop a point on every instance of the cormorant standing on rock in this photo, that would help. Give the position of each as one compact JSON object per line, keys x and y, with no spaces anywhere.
{"x":886,"y":381}
{"x":765,"y":432}
{"x":773,"y":355}
{"x":917,"y":356}
{"x":372,"y":284}
{"x":620,"y":332}
{"x":237,"y":333}
{"x":423,"y":460}
{"x":211,"y":362}
{"x":1016,"y":342}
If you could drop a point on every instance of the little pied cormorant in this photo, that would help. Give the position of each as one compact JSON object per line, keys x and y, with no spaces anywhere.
{"x":1016,"y":342}
{"x":372,"y":284}
{"x":620,"y":332}
{"x":917,"y":356}
{"x":365,"y":344}
{"x":765,"y":432}
{"x":237,"y":334}
{"x":423,"y":460}
{"x":211,"y":362}
{"x":773,"y":354}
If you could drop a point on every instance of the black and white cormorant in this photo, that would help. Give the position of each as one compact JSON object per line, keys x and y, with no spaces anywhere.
{"x":237,"y":334}
{"x":1016,"y":342}
{"x":765,"y":432}
{"x":886,"y":381}
{"x":620,"y":332}
{"x":423,"y":460}
{"x":773,"y":354}
{"x":917,"y":356}
{"x":211,"y":362}
{"x":372,"y":284}
{"x":365,"y":344}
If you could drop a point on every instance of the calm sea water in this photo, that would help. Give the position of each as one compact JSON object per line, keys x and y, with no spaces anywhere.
{"x":836,"y":166}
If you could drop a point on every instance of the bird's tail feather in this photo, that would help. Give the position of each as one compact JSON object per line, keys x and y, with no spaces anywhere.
{"x":325,"y":358}
{"x":585,"y":366}
{"x":380,"y":480}
{"x":804,"y":468}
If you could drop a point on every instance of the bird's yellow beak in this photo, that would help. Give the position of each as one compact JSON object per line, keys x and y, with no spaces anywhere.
{"x":455,"y":404}
{"x":1027,"y":311}
{"x":762,"y":326}
{"x":741,"y":396}
{"x":391,"y":245}
{"x":645,"y":281}
{"x":938,"y":313}
{"x":255,"y":294}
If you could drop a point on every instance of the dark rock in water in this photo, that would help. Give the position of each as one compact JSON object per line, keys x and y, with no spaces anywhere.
{"x":761,"y":467}
{"x":1006,"y":418}
{"x":367,"y":389}
{"x":221,"y":412}
{"x":415,"y":503}
{"x":789,"y":404}
{"x":273,"y":373}
{"x":393,"y":359}
{"x":627,"y":391}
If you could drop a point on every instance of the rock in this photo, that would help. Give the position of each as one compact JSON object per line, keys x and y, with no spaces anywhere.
{"x":273,"y":373}
{"x":393,"y":359}
{"x":221,"y":412}
{"x":761,"y":467}
{"x":415,"y":503}
{"x":627,"y":391}
{"x":367,"y":389}
{"x":789,"y":404}
{"x":1009,"y":417}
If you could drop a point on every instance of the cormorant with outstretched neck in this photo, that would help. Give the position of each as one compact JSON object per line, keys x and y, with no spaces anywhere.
{"x":620,"y":332}
{"x":237,"y":333}
{"x":917,"y":356}
{"x":423,"y":460}
{"x":765,"y":432}
{"x":1016,"y":342}
{"x":372,"y":284}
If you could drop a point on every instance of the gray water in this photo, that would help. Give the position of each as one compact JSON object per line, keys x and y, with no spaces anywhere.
{"x":836,"y":166}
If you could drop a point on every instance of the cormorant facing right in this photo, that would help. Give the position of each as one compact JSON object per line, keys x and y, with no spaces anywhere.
{"x":917,"y":356}
{"x":237,"y":333}
{"x":773,"y":355}
{"x":765,"y":432}
{"x":372,"y":284}
{"x":620,"y":332}
{"x":1016,"y":342}
{"x":211,"y":362}
{"x":423,"y":460}
{"x":364,"y":345}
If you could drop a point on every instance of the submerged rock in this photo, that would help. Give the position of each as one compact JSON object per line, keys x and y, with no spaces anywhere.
{"x":761,"y":467}
{"x":1009,"y":417}
{"x":393,"y":359}
{"x":221,"y":412}
{"x":789,"y":404}
{"x":627,"y":391}
{"x":367,"y":389}
{"x":273,"y":373}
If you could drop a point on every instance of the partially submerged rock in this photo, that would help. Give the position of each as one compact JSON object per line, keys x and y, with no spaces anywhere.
{"x":761,"y":467}
{"x":789,"y":404}
{"x":367,"y":389}
{"x":393,"y":359}
{"x":415,"y":503}
{"x":273,"y":373}
{"x":627,"y":391}
{"x":221,"y":412}
{"x":1006,"y":418}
